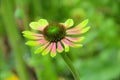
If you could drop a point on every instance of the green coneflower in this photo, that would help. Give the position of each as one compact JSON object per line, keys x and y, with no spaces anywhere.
{"x":56,"y":37}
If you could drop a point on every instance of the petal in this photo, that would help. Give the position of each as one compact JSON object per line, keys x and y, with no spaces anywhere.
{"x":42,"y":41}
{"x":53,"y":51}
{"x":39,"y":25}
{"x":43,"y":22}
{"x":35,"y":43}
{"x":73,"y":32}
{"x":65,"y":46}
{"x":79,"y":39}
{"x":69,"y":23}
{"x":32,"y":43}
{"x":85,"y":29}
{"x":32,"y":37}
{"x":28,"y":32}
{"x":35,"y":25}
{"x":41,"y":48}
{"x":47,"y":50}
{"x":82,"y":24}
{"x":59,"y":47}
{"x":70,"y":43}
{"x":31,"y":33}
{"x":77,"y":30}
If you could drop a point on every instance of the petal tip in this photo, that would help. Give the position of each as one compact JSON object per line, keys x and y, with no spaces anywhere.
{"x":43,"y":22}
{"x":53,"y":55}
{"x":82,"y":38}
{"x":69,"y":23}
{"x":66,"y":50}
{"x":86,"y":29}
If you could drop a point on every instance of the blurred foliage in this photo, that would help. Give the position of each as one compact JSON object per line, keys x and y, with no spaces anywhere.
{"x":99,"y":59}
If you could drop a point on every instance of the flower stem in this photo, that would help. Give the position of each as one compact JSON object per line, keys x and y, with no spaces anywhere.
{"x":14,"y":39}
{"x":70,"y":65}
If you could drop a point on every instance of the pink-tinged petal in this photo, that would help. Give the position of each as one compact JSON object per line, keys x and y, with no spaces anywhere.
{"x":40,"y":35}
{"x":73,"y":29}
{"x":66,"y":47}
{"x":42,"y":47}
{"x":42,"y":41}
{"x":77,"y":30}
{"x":48,"y":49}
{"x":79,"y":39}
{"x":69,"y":43}
{"x":59,"y":47}
{"x":73,"y":32}
{"x":32,"y":35}
{"x":36,"y":43}
{"x":53,"y":51}
{"x":40,"y":28}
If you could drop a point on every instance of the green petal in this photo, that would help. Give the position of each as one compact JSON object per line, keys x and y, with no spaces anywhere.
{"x":34,"y":25}
{"x":28,"y":32}
{"x":41,"y":48}
{"x":83,"y":24}
{"x":69,"y":23}
{"x":66,"y":48}
{"x":39,"y":24}
{"x":43,"y":22}
{"x":53,"y":54}
{"x":81,"y":39}
{"x":31,"y":37}
{"x":85,"y":29}
{"x":32,"y":43}
{"x":45,"y":52}
{"x":77,"y":46}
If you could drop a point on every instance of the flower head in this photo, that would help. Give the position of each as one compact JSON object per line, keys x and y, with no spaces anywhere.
{"x":55,"y":37}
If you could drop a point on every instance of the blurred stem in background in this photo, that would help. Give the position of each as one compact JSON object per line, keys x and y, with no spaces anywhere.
{"x":21,"y":12}
{"x":70,"y":65}
{"x":14,"y":39}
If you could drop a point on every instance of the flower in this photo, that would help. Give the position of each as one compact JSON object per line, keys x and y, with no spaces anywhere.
{"x":55,"y":37}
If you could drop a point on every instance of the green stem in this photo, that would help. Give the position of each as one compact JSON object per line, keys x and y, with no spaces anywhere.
{"x":70,"y":65}
{"x":22,"y":5}
{"x":14,"y":39}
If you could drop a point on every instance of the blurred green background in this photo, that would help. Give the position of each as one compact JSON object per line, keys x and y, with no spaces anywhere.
{"x":98,"y":59}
